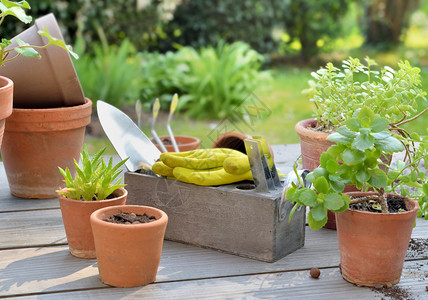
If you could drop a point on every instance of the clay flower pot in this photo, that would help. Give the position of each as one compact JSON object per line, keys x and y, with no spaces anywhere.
{"x":6,"y":102}
{"x":48,"y":82}
{"x":184,"y":143}
{"x":76,"y":217}
{"x":128,"y":255}
{"x":373,"y":246}
{"x":38,"y":141}
{"x":312,"y":143}
{"x":234,"y":140}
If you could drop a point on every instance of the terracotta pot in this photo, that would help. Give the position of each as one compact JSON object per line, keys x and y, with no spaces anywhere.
{"x":128,"y":255}
{"x":6,"y":102}
{"x":312,"y":143}
{"x":373,"y":246}
{"x":38,"y":141}
{"x":184,"y":143}
{"x":76,"y":217}
{"x":234,"y":140}
{"x":47,"y":82}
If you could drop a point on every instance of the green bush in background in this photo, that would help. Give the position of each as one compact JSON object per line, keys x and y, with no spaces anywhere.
{"x":111,"y":73}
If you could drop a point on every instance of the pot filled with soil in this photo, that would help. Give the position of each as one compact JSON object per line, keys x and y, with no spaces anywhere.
{"x":372,"y":244}
{"x":128,"y":241}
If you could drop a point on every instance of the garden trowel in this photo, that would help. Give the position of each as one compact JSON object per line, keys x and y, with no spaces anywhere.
{"x":127,"y":139}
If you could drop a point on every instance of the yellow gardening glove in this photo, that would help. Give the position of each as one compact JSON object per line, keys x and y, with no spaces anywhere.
{"x":215,"y":176}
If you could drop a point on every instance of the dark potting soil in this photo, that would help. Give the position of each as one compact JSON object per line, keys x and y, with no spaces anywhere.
{"x":395,"y":205}
{"x":129,"y":218}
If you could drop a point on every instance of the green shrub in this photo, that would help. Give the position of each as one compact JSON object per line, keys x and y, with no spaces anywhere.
{"x":214,"y":81}
{"x":111,"y":74}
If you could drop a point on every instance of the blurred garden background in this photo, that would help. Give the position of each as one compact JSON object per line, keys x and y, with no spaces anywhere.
{"x":218,"y":55}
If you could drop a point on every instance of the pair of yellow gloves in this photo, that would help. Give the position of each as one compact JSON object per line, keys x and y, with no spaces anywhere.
{"x":206,"y":167}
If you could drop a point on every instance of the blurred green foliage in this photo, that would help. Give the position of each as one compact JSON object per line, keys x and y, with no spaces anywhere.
{"x":205,"y":22}
{"x":109,"y":73}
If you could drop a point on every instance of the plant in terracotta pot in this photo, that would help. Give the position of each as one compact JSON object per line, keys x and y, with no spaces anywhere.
{"x":338,"y":92}
{"x":374,"y":225}
{"x":16,"y":9}
{"x":47,"y":120}
{"x":96,"y":185}
{"x":128,"y":243}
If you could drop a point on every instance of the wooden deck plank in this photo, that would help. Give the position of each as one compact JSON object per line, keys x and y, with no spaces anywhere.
{"x":283,"y":285}
{"x":51,"y":269}
{"x":31,"y":228}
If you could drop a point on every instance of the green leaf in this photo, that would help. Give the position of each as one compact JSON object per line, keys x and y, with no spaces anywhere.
{"x":353,"y":124}
{"x":338,"y":138}
{"x":319,"y":212}
{"x":321,"y":185}
{"x":314,"y":224}
{"x":390,"y":144}
{"x":362,"y":175}
{"x":307,"y":197}
{"x":57,"y":42}
{"x":363,"y":142}
{"x":352,"y":156}
{"x":26,"y":51}
{"x":333,"y":201}
{"x":378,"y":178}
{"x":344,"y":130}
{"x":16,"y":9}
{"x":336,"y":184}
{"x":365,"y":116}
{"x":345,"y":206}
{"x":379,"y":124}
{"x":332,"y":166}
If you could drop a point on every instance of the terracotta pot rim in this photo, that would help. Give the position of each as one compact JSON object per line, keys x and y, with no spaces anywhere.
{"x":302,"y":129}
{"x":121,"y":191}
{"x":6,"y":108}
{"x":231,"y":134}
{"x":88,"y":102}
{"x":97,"y":216}
{"x":190,"y":139}
{"x":411,"y":201}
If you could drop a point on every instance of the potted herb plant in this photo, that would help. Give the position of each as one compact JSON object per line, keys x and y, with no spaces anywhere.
{"x":374,"y":225}
{"x":46,"y":123}
{"x":95,"y":186}
{"x":128,"y":243}
{"x":338,"y":92}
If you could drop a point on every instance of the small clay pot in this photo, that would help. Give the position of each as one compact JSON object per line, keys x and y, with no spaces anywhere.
{"x":128,"y":255}
{"x":6,"y":102}
{"x":373,"y":246}
{"x":184,"y":143}
{"x":76,"y":217}
{"x":234,"y":140}
{"x":38,"y":141}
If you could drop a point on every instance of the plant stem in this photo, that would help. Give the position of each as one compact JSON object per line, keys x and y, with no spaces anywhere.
{"x":379,"y":197}
{"x":411,"y":119}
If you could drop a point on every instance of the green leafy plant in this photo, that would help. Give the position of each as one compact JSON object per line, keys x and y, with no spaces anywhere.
{"x":112,"y":73}
{"x":16,"y":9}
{"x":95,"y":180}
{"x":338,"y":92}
{"x":215,"y":81}
{"x":361,"y":157}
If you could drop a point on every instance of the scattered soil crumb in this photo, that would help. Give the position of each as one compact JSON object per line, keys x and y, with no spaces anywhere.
{"x":395,"y":293}
{"x":130,"y":218}
{"x":417,"y":247}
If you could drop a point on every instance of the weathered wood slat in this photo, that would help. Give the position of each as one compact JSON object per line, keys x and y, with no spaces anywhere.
{"x":283,"y":285}
{"x":31,"y":228}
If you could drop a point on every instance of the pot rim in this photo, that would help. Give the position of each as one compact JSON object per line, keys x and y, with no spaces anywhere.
{"x":98,"y":215}
{"x":411,"y":201}
{"x":302,"y":129}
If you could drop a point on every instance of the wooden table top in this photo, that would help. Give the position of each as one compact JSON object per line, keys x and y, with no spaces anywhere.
{"x":35,"y":263}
